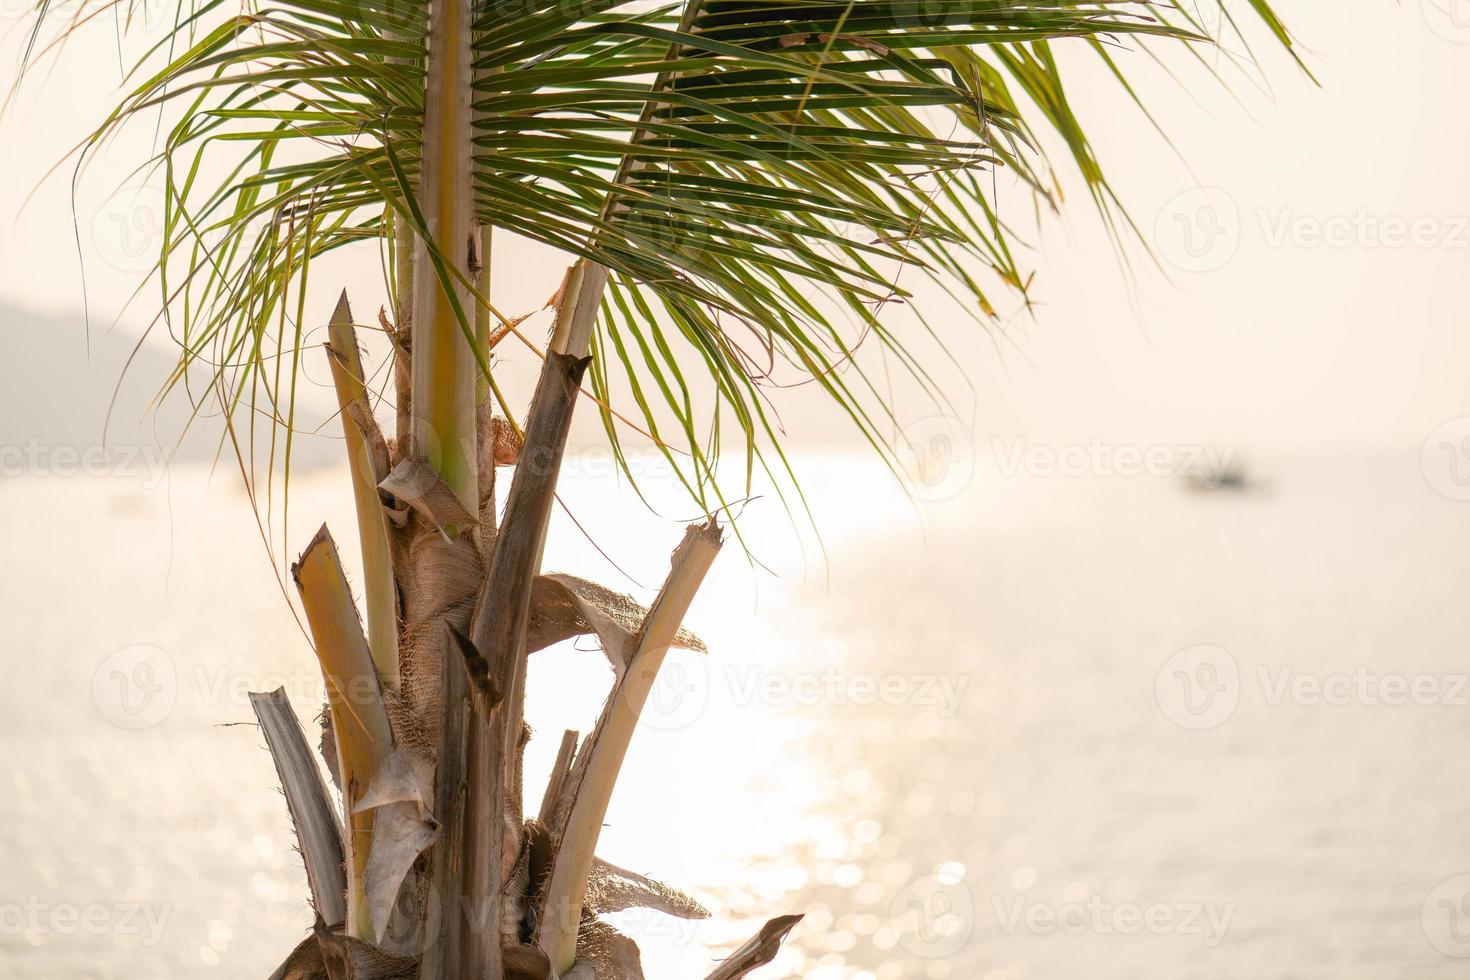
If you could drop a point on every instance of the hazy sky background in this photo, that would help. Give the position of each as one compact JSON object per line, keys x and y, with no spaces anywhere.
{"x":1314,"y":298}
{"x":1061,"y":605}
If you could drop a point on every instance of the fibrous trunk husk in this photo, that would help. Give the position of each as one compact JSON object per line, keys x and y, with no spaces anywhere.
{"x":328,"y":954}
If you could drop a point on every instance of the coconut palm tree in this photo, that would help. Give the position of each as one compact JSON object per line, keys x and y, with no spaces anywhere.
{"x":737,"y":184}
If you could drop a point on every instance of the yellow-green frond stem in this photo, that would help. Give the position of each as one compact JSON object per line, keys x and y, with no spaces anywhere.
{"x":445,"y":369}
{"x":367,"y":461}
{"x":359,"y":717}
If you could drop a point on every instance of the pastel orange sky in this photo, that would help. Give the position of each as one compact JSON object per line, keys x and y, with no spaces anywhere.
{"x":1312,"y":296}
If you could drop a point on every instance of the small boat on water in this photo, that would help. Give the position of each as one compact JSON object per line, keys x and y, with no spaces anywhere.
{"x":1223,"y":477}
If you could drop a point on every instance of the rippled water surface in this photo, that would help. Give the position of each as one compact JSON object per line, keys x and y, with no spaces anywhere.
{"x":1095,"y":727}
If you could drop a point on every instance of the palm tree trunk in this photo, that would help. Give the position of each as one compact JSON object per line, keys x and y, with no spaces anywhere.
{"x":462,"y":929}
{"x":444,"y":366}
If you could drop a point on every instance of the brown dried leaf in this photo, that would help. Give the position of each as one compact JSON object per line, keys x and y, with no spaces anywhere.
{"x":757,"y":951}
{"x":406,"y":776}
{"x":857,"y":40}
{"x":415,"y":483}
{"x":304,"y":963}
{"x":613,"y":889}
{"x":564,"y":606}
{"x":403,"y":828}
{"x":506,"y":442}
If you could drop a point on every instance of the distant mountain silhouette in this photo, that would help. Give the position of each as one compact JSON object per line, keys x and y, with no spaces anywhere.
{"x":57,"y":382}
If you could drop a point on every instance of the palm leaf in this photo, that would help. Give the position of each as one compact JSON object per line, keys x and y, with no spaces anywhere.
{"x":762,"y":178}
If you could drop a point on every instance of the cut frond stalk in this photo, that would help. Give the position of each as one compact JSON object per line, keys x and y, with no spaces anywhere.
{"x":318,"y":832}
{"x":359,"y":717}
{"x":592,"y":786}
{"x":445,"y":368}
{"x":502,"y":620}
{"x":556,"y":784}
{"x":499,"y":628}
{"x":576,"y":316}
{"x":479,"y":756}
{"x":367,"y":459}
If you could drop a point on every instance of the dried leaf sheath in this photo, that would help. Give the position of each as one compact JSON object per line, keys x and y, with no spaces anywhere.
{"x":367,"y":459}
{"x":318,"y":830}
{"x":560,"y":769}
{"x":403,"y":827}
{"x":564,"y":606}
{"x":359,"y":716}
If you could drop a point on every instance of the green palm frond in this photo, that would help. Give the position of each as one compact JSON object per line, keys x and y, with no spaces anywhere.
{"x":762,"y":178}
